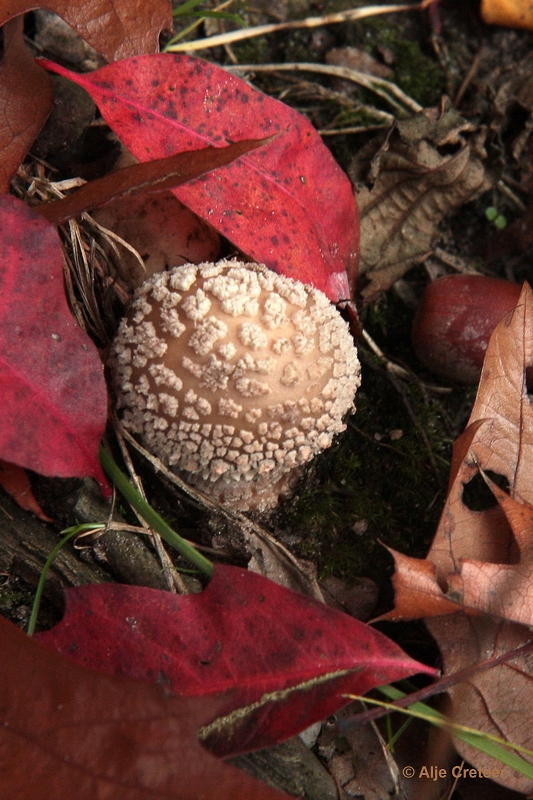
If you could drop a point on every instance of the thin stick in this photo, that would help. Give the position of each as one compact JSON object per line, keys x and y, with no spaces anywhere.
{"x":438,"y":687}
{"x":247,"y":525}
{"x":166,"y":562}
{"x":310,"y":22}
{"x":399,"y":100}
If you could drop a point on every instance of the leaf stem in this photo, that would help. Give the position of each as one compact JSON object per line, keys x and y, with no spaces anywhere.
{"x":152,"y":517}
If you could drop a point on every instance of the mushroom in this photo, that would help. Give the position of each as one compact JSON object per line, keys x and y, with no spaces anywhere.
{"x":234,"y":376}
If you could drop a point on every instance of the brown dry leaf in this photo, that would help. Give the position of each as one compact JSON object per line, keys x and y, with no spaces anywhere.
{"x":26,"y":97}
{"x":360,"y":760}
{"x":415,"y":182}
{"x":484,"y":559}
{"x":422,"y":586}
{"x":474,"y":552}
{"x":500,"y":587}
{"x":498,"y":701}
{"x":116,"y":28}
{"x":355,"y":58}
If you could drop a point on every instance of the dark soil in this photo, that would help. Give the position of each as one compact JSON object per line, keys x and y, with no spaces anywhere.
{"x":384,"y":481}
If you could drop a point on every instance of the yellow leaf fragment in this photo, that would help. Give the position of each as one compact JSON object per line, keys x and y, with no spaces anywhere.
{"x":509,"y":13}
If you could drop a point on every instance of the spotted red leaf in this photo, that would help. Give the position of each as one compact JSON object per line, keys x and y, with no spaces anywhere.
{"x":243,"y":633}
{"x":53,"y":396}
{"x":288,"y":204}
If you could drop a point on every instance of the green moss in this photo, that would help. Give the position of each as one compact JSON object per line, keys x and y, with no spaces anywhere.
{"x":380,"y":482}
{"x":253,"y":51}
{"x":10,"y":598}
{"x":15,"y":601}
{"x":372,"y":486}
{"x":417,"y":74}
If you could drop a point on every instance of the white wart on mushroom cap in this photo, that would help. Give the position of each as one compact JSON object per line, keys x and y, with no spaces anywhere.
{"x":235,"y":376}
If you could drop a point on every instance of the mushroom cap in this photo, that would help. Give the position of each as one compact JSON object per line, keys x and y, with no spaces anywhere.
{"x":234,"y":376}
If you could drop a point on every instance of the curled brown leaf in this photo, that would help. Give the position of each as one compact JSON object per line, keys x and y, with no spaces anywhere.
{"x":423,"y":169}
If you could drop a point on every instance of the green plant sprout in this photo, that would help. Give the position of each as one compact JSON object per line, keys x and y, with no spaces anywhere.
{"x":493,"y":746}
{"x":70,"y":533}
{"x":140,"y":505}
{"x":188,"y":9}
{"x":497,"y":219}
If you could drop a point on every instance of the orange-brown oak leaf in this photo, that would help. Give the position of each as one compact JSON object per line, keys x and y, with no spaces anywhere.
{"x":480,"y":554}
{"x":481,"y":560}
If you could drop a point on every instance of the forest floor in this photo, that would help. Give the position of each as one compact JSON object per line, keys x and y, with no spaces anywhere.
{"x":384,"y":481}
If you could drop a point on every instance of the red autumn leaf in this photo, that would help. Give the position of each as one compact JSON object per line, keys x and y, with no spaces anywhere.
{"x":67,"y":732}
{"x":52,"y":392}
{"x":15,"y":482}
{"x":116,"y":28}
{"x":26,"y":97}
{"x":244,"y":633}
{"x":152,"y":176}
{"x":287,"y":204}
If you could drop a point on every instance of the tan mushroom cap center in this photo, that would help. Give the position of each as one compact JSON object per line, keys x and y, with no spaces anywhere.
{"x":233,"y":373}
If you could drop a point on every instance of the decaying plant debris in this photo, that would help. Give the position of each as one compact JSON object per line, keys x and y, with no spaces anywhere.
{"x":427,"y":169}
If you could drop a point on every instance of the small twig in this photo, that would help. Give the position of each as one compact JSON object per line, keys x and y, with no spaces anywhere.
{"x":456,"y":263}
{"x":438,"y":687}
{"x":396,"y":369}
{"x":420,"y":428}
{"x":508,"y":192}
{"x":468,"y":77}
{"x":376,"y":441}
{"x":355,"y":129}
{"x":205,"y":501}
{"x":388,"y":91}
{"x":173,"y":581}
{"x":309,"y":22}
{"x":307,"y":89}
{"x":389,"y":365}
{"x":394,"y":372}
{"x":114,"y":239}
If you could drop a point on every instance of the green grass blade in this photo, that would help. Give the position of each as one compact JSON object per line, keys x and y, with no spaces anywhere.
{"x":70,"y":533}
{"x":185,"y":8}
{"x":153,"y":519}
{"x":499,"y":749}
